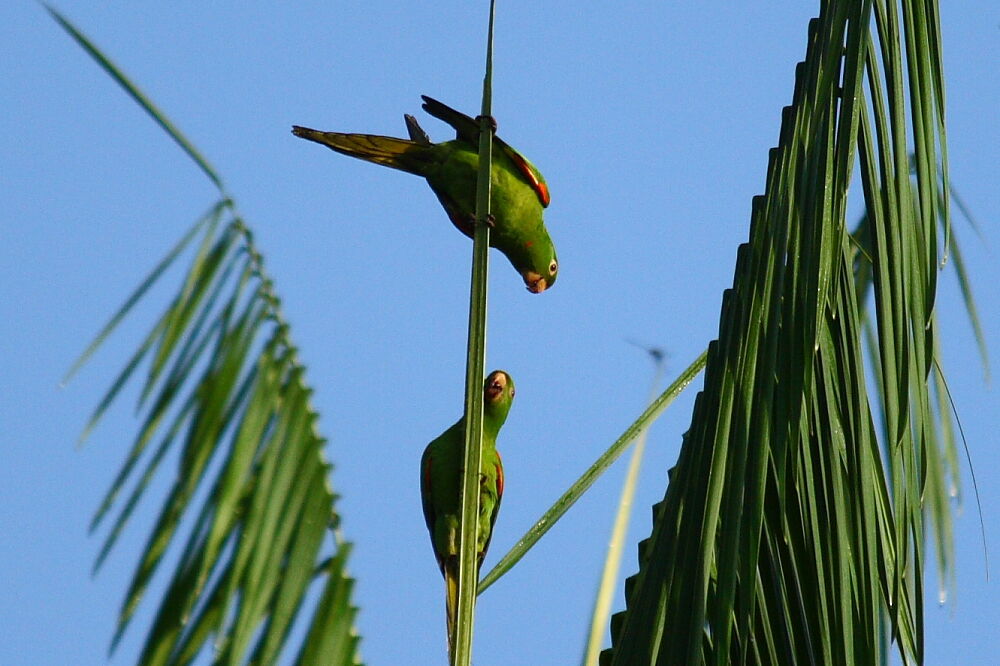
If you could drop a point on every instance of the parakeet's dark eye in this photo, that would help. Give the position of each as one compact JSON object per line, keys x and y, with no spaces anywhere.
{"x":553,"y":267}
{"x":511,"y":391}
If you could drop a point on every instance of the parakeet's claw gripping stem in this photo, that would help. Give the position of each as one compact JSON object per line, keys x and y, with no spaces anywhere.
{"x":490,"y":119}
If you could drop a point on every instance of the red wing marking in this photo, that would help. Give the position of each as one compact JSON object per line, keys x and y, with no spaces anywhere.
{"x":426,"y":493}
{"x":540,"y":188}
{"x":543,"y":194}
{"x":499,"y":479}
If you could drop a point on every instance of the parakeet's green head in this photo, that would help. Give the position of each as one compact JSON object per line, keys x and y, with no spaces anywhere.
{"x":535,"y":259}
{"x":533,"y":256}
{"x":498,"y":394}
{"x":541,"y":268}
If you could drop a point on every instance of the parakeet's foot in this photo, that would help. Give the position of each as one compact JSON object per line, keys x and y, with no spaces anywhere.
{"x":492,"y":121}
{"x":471,"y":219}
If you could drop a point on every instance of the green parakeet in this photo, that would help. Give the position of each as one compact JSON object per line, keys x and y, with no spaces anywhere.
{"x":519,"y":192}
{"x":441,"y":486}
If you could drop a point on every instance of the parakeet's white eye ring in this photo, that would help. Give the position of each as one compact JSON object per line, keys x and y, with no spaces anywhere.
{"x":553,"y":267}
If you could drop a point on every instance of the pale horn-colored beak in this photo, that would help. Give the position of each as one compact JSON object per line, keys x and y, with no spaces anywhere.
{"x":536,"y":283}
{"x":498,"y":382}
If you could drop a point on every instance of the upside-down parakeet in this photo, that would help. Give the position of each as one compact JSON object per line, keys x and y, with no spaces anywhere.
{"x":441,"y":486}
{"x":519,"y":192}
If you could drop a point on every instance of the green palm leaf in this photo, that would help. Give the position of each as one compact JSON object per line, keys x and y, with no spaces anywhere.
{"x":225,"y":375}
{"x":782,"y":538}
{"x":943,"y":473}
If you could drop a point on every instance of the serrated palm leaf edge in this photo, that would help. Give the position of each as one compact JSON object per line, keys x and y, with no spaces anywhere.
{"x":251,"y":468}
{"x":783,"y":536}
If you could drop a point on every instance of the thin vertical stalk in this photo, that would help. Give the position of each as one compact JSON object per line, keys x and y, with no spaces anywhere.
{"x":474,"y":373}
{"x":612,"y":563}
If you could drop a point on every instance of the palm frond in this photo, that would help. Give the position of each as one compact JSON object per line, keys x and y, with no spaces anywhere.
{"x":943,"y":472}
{"x":788,"y":531}
{"x":226,"y":392}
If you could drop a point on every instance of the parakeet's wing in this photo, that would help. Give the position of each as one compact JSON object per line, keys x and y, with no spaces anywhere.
{"x":427,"y":493}
{"x":496,"y":510}
{"x":530,"y":175}
{"x":401,"y":154}
{"x":462,"y":221}
{"x":467,"y":130}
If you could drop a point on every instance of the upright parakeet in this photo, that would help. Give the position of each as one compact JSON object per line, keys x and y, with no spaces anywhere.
{"x":441,"y":486}
{"x":519,"y":190}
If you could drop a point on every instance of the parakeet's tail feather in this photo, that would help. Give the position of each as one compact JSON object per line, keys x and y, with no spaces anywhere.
{"x":416,"y":132}
{"x":399,"y":154}
{"x":465,"y":127}
{"x":451,"y":598}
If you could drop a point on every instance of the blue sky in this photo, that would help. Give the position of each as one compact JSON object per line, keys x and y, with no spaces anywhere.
{"x":652,"y":127}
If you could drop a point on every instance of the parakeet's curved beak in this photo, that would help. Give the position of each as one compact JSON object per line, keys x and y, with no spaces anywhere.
{"x":495,"y":384}
{"x":536,"y":283}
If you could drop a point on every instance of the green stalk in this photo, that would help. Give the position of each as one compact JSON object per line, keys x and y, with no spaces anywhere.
{"x":475,"y":371}
{"x":612,"y":563}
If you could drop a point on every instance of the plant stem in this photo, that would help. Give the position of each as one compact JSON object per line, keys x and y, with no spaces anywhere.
{"x":468,"y":571}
